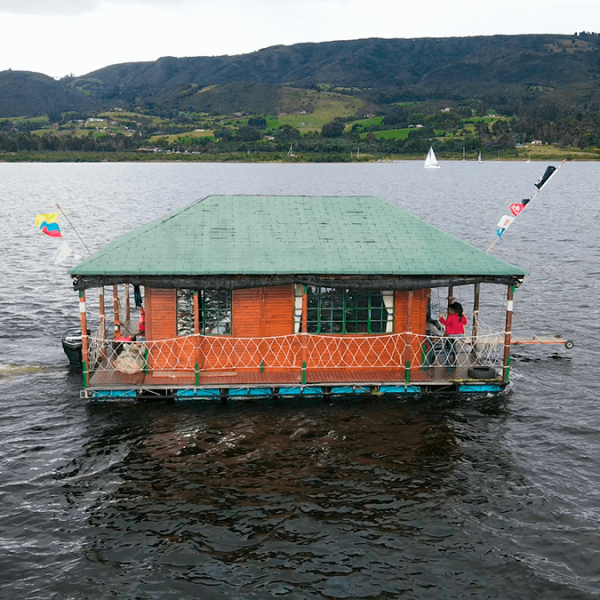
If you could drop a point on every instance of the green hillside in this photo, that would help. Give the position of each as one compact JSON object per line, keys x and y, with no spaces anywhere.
{"x":394,"y":97}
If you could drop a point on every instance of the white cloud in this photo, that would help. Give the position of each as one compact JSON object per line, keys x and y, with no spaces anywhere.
{"x":45,"y":7}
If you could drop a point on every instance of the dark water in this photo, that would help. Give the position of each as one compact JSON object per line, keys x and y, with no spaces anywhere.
{"x":356,"y":498}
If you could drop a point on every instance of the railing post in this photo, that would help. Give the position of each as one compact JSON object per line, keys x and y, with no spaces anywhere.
{"x":197,"y":338}
{"x":507,"y":333}
{"x":84,"y":339}
{"x":475,"y":329}
{"x":476,"y":310}
{"x":304,"y":332}
{"x":409,"y":340}
{"x":102,"y":310}
{"x":117,"y":324}
{"x":127,"y":303}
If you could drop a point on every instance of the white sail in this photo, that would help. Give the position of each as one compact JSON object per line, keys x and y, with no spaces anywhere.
{"x":479,"y":159}
{"x":431,"y":161}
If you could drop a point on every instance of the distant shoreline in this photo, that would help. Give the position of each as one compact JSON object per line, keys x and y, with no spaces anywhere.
{"x":137,"y":157}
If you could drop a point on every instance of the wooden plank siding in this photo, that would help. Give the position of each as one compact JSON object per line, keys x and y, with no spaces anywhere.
{"x":260,"y":313}
{"x":418,"y":320}
{"x":160,"y":325}
{"x":267,"y":313}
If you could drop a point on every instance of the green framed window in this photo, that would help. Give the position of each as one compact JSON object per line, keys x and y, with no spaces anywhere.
{"x":343,"y":311}
{"x":215,"y":312}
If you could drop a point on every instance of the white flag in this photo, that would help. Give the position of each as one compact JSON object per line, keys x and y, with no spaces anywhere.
{"x":505,"y":221}
{"x":62,"y":253}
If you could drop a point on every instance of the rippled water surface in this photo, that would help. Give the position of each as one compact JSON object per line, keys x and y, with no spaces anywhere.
{"x":355,"y":498}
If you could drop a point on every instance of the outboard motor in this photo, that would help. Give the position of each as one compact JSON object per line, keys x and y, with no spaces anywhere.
{"x":71,"y":343}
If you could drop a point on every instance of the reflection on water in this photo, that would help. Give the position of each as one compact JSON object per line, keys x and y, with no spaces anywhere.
{"x":343,"y":499}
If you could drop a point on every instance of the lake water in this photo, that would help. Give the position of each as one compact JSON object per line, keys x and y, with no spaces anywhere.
{"x":355,"y":498}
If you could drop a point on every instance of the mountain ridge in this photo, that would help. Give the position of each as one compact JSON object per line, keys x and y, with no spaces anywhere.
{"x":458,"y":68}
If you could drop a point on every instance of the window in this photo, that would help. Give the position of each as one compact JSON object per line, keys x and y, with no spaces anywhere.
{"x":215,"y":312}
{"x":349,"y":311}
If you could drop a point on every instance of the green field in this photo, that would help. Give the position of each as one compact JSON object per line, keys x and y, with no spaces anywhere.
{"x":393,"y":134}
{"x":207,"y":133}
{"x":365,"y":122}
{"x":309,"y":110}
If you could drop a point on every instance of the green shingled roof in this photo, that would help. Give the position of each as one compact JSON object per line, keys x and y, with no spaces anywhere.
{"x":275,"y":235}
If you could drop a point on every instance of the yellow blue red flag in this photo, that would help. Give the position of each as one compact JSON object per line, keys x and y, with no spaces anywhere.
{"x":48,"y":224}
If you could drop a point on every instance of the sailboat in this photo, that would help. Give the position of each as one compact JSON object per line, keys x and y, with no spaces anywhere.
{"x":431,"y":161}
{"x":479,"y":160}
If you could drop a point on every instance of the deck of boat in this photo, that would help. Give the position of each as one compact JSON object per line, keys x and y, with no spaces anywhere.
{"x":372,"y":379}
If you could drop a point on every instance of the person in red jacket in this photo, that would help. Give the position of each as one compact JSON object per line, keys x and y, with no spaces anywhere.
{"x":455,"y":327}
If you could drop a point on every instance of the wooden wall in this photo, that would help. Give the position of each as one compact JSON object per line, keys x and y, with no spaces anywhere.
{"x":418,"y":321}
{"x":411,"y":316}
{"x":263,"y":312}
{"x":269,"y":312}
{"x":161,"y":313}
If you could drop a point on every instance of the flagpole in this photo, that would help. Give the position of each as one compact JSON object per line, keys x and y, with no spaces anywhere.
{"x":73,"y":226}
{"x":528,"y":202}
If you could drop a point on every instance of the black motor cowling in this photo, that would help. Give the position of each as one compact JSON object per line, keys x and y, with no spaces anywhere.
{"x":72,"y":345}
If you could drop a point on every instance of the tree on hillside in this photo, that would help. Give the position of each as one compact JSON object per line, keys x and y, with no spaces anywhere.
{"x":247,"y":134}
{"x":332,"y":129}
{"x":286,"y":133}
{"x":397,"y":116}
{"x":258,"y":122}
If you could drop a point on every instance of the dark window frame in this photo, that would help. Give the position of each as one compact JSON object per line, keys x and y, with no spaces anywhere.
{"x":334,"y":311}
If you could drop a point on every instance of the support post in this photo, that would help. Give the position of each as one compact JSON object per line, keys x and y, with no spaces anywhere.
{"x":507,"y":333}
{"x":117,"y":332}
{"x":408,"y":345}
{"x":197,"y":337}
{"x":127,"y":303}
{"x":304,"y":332}
{"x":84,"y":339}
{"x":304,"y":327}
{"x":476,"y":296}
{"x":476,"y":309}
{"x":102,"y":309}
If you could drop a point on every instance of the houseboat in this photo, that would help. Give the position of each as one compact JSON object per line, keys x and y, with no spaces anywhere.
{"x":284,"y":296}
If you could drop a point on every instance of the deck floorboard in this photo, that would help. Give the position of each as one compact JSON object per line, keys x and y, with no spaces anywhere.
{"x":112,"y":379}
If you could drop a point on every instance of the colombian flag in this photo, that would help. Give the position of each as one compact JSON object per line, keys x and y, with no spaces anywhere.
{"x":48,"y":225}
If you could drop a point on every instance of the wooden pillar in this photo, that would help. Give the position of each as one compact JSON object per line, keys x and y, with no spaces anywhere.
{"x":304,"y":332}
{"x":102,"y":310}
{"x":197,"y":337}
{"x":84,"y":339}
{"x":408,"y":344}
{"x":304,"y":326}
{"x":477,"y":293}
{"x":127,"y":303}
{"x":507,"y":333}
{"x":450,"y":295}
{"x":117,"y":328}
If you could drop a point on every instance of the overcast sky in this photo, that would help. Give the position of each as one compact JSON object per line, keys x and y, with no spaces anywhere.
{"x":62,"y":37}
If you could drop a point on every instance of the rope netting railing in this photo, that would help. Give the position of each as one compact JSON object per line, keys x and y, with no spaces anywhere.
{"x":345,"y":352}
{"x":483,"y":350}
{"x":97,"y":344}
{"x":297,"y":351}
